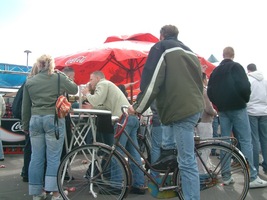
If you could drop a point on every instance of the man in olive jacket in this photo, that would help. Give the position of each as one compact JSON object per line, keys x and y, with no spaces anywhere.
{"x":172,"y":75}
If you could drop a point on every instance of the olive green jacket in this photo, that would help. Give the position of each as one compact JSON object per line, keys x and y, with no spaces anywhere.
{"x":40,"y":94}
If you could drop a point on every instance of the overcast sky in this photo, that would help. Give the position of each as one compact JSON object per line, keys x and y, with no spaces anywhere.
{"x":59,"y":27}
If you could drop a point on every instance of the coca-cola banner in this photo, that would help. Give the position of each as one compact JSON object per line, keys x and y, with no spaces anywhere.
{"x":10,"y":131}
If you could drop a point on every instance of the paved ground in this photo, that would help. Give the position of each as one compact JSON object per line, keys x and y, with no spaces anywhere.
{"x":12,"y":187}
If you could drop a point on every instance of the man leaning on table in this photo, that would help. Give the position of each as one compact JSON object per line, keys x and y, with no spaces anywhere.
{"x":108,"y":96}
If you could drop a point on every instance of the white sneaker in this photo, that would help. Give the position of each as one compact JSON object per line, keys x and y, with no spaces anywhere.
{"x":258,"y":183}
{"x":57,"y":198}
{"x":40,"y":197}
{"x":229,"y":181}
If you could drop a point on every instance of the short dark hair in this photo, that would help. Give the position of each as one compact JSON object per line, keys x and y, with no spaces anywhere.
{"x":68,"y":70}
{"x":252,"y":67}
{"x":169,"y":31}
{"x":123,"y":89}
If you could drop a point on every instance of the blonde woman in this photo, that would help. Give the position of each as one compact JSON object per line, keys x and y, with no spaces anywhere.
{"x":38,"y":111}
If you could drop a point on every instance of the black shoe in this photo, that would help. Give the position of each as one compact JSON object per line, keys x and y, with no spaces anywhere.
{"x":167,"y":159}
{"x":2,"y":159}
{"x":67,"y":178}
{"x":214,"y":154}
{"x":25,"y":179}
{"x":136,"y":190}
{"x":109,"y":190}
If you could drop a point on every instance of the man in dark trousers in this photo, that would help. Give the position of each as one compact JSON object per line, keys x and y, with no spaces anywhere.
{"x":70,"y":73}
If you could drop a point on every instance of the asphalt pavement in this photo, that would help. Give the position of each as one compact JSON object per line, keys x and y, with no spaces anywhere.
{"x":13,"y":188}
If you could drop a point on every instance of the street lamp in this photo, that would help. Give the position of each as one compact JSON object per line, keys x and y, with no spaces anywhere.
{"x":27,"y":52}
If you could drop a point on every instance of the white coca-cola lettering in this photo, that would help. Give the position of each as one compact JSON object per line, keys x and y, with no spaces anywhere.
{"x":79,"y":59}
{"x":16,"y":127}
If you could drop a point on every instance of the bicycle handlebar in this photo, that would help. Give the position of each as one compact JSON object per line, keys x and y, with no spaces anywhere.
{"x":124,"y":117}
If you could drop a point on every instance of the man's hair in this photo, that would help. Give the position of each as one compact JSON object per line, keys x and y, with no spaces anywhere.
{"x":99,"y":74}
{"x":169,"y":31}
{"x":228,"y":52}
{"x":68,"y":70}
{"x":252,"y":67}
{"x":123,"y":89}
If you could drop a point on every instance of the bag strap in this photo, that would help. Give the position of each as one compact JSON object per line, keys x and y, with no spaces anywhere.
{"x":56,"y":115}
{"x":58,"y":85}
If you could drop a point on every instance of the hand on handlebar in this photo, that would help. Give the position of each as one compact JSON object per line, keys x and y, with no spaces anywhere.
{"x":131,"y":110}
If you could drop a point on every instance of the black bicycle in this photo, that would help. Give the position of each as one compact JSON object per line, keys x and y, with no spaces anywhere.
{"x":106,"y":173}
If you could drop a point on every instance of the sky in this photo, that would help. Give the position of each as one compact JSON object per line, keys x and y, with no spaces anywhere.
{"x":60,"y":27}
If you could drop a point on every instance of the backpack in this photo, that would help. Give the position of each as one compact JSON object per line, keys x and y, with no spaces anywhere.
{"x":63,"y":106}
{"x":17,"y":103}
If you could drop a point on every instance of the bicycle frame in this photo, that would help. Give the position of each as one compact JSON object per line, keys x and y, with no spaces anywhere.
{"x":117,"y":144}
{"x":161,"y":186}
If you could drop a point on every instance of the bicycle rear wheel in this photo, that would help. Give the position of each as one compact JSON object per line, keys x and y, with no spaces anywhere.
{"x":92,"y":171}
{"x":223,"y":175}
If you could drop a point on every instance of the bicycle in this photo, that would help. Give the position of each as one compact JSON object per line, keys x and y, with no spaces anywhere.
{"x":107,"y":175}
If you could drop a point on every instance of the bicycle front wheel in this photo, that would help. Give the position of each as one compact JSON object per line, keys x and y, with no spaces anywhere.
{"x":223,"y":172}
{"x":93,"y":171}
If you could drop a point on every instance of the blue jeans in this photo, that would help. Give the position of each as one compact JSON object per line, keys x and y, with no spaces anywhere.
{"x":45,"y":147}
{"x":182,"y":133}
{"x":258,"y":126}
{"x":156,"y":141}
{"x":215,"y":128}
{"x":238,"y":120}
{"x":138,"y":175}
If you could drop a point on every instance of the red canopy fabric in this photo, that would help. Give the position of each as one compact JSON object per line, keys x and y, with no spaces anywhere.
{"x":120,"y":58}
{"x":207,"y":66}
{"x":121,"y":61}
{"x":145,"y":37}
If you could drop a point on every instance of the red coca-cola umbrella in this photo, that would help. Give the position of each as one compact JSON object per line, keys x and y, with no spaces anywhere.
{"x":207,"y":66}
{"x":120,"y":58}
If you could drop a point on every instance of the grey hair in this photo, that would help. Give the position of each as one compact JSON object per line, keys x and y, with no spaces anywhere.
{"x":99,"y":74}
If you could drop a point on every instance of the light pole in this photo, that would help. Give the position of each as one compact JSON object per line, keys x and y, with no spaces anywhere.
{"x":27,"y":52}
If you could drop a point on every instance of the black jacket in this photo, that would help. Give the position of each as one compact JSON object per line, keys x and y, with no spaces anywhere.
{"x":17,"y":103}
{"x":229,"y":87}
